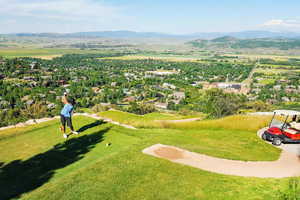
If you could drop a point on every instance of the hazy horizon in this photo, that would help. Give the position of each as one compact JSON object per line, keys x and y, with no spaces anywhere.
{"x":178,"y":34}
{"x":171,"y":17}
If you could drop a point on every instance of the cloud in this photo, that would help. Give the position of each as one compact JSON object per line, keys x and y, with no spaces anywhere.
{"x":62,"y":9}
{"x":283,"y":24}
{"x":66,"y":15}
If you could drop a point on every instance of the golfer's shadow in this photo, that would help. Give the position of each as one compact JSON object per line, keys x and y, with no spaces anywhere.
{"x":18,"y":176}
{"x":91,"y":125}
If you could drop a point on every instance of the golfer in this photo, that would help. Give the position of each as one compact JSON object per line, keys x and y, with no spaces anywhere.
{"x":66,"y":115}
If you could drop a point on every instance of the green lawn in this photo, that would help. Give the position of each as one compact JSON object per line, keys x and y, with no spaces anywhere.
{"x":142,"y":121}
{"x":36,"y":163}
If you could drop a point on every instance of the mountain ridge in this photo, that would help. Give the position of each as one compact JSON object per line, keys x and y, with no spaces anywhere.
{"x":134,"y":34}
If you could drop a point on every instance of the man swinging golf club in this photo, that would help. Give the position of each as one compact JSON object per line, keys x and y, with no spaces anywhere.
{"x":66,"y":115}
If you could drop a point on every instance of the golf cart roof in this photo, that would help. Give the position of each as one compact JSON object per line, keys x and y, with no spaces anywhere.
{"x":286,"y":112}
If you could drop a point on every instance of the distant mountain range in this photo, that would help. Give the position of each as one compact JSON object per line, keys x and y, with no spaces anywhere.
{"x":132,"y":34}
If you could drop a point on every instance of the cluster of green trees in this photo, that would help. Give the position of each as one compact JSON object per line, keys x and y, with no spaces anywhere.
{"x":235,"y":43}
{"x":30,"y":85}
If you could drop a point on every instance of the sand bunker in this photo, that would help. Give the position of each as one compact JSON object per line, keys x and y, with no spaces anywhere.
{"x":288,"y":165}
{"x":169,"y":153}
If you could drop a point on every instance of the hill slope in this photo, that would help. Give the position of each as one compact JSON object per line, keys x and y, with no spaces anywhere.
{"x":37,"y":163}
{"x":235,"y":43}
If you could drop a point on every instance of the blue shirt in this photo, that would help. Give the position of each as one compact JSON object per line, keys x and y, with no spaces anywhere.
{"x":67,"y":110}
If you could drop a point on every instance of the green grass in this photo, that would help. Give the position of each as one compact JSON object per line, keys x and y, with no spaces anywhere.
{"x":43,"y":52}
{"x":142,"y":121}
{"x":235,"y":122}
{"x":37,"y":163}
{"x":267,"y":81}
{"x":160,"y":120}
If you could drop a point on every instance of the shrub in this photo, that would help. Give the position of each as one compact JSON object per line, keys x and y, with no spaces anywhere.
{"x":34,"y":111}
{"x":99,"y":108}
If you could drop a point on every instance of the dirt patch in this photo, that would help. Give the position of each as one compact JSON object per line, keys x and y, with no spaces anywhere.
{"x":169,"y":153}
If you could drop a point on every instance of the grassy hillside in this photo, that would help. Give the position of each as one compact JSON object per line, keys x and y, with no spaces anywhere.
{"x":161,"y":120}
{"x":37,"y":163}
{"x":235,"y":43}
{"x":235,"y":122}
{"x":142,"y":121}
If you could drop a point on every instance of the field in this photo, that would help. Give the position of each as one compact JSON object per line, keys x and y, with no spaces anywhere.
{"x":41,"y":53}
{"x":254,"y":56}
{"x":39,"y":164}
{"x":156,"y":57}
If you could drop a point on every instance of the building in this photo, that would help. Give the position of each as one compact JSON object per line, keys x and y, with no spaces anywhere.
{"x":161,"y":105}
{"x":179,"y":95}
{"x":168,"y":85}
{"x":163,"y":72}
{"x":129,"y":99}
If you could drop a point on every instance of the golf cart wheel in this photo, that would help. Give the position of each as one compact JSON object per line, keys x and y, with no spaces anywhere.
{"x":276,"y":141}
{"x":264,"y":136}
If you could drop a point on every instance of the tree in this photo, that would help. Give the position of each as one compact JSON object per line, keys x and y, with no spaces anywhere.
{"x":218,"y":104}
{"x":141,"y":109}
{"x":34,"y":111}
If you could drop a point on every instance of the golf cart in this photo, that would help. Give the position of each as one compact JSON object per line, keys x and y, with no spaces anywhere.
{"x":284,"y":128}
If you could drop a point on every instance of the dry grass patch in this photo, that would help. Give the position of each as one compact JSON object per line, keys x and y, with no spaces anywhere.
{"x":236,"y":122}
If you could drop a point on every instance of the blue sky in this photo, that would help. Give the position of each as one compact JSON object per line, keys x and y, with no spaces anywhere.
{"x":167,"y":16}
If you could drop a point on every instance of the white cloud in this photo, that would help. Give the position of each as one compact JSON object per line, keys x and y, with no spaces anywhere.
{"x":62,"y":15}
{"x":62,"y":9}
{"x":280,"y":24}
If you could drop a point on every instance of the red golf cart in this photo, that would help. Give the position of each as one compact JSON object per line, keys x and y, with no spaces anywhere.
{"x":284,"y":127}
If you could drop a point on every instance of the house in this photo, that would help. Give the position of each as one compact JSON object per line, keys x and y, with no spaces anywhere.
{"x":42,"y":95}
{"x":168,"y":85}
{"x":161,"y":105}
{"x":229,"y":85}
{"x":179,"y":95}
{"x":129,"y":99}
{"x":96,"y":90}
{"x":62,"y":82}
{"x":277,"y":87}
{"x":51,"y":106}
{"x":283,"y":81}
{"x":29,"y":102}
{"x":128,"y":74}
{"x":33,"y":65}
{"x":290,"y":90}
{"x":28,"y":78}
{"x":163,"y":72}
{"x":286,"y":99}
{"x":66,"y":85}
{"x":33,"y":83}
{"x":105,"y":104}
